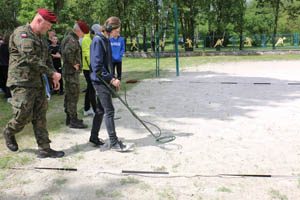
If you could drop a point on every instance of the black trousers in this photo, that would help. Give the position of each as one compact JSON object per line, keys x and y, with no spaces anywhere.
{"x":90,"y":97}
{"x":118,"y":65}
{"x":3,"y":80}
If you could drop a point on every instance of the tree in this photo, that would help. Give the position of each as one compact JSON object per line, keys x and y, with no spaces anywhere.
{"x":275,"y":5}
{"x":8,"y":14}
{"x":239,"y":14}
{"x":187,"y":14}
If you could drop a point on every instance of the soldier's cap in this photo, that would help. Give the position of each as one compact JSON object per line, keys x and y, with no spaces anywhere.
{"x":84,"y":28}
{"x":47,"y":15}
{"x":96,"y":28}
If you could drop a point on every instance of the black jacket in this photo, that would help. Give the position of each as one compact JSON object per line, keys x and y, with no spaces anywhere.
{"x":4,"y":55}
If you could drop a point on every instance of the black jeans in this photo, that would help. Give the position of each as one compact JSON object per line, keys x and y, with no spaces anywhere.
{"x":118,"y":65}
{"x":3,"y":80}
{"x":104,"y":108}
{"x":90,"y":97}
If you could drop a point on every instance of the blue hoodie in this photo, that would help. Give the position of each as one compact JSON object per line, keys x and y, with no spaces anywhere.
{"x":117,"y":48}
{"x":101,"y":59}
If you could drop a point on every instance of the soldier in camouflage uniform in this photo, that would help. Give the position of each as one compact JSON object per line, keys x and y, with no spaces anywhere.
{"x":29,"y":59}
{"x":71,"y":54}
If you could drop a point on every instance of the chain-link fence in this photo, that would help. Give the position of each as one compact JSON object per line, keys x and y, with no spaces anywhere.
{"x":217,"y":43}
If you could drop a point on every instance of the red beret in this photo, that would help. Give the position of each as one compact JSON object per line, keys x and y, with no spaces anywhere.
{"x":84,"y":28}
{"x":47,"y":15}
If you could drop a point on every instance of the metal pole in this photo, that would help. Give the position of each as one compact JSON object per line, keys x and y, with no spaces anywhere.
{"x":176,"y":40}
{"x":296,"y":40}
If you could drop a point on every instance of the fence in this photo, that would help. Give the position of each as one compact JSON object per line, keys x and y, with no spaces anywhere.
{"x":258,"y":42}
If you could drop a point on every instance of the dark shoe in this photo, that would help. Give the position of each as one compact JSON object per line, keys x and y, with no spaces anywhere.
{"x":10,"y":141}
{"x":76,"y":124}
{"x":61,"y":93}
{"x":53,"y":92}
{"x":119,"y":147}
{"x":79,"y":120}
{"x":50,"y":153}
{"x":97,"y":141}
{"x":68,"y":120}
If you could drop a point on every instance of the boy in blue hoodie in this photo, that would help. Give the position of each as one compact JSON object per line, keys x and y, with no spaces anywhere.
{"x":117,"y":48}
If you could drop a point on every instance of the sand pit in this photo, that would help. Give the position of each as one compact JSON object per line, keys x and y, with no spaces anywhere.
{"x":223,"y":123}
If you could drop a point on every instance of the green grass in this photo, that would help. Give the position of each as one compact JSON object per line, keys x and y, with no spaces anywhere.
{"x":223,"y":189}
{"x":133,"y":68}
{"x":145,"y":187}
{"x":3,"y":176}
{"x":60,"y":181}
{"x":129,"y":180}
{"x":76,"y":148}
{"x":11,"y":160}
{"x":114,"y":194}
{"x":166,"y":193}
{"x":275,"y":194}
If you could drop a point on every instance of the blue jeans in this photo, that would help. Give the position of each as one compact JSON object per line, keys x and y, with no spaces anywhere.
{"x":104,"y":107}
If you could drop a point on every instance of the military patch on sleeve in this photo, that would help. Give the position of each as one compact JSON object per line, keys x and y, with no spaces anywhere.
{"x":24,"y":35}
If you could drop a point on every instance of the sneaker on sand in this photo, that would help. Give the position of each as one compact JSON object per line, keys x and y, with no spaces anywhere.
{"x":9,"y":100}
{"x":50,"y":153}
{"x":89,"y":112}
{"x":119,"y":147}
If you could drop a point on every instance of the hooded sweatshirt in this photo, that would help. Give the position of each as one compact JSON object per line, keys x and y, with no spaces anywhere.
{"x":117,"y":48}
{"x":101,"y":59}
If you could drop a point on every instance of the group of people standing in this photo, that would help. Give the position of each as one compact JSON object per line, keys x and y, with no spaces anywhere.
{"x":30,"y":59}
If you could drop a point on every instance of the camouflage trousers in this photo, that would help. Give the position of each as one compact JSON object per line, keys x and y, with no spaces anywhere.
{"x":29,"y":105}
{"x":72,"y":90}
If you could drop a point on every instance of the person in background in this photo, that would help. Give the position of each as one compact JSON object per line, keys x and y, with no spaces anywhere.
{"x":102,"y":70}
{"x":72,"y":66}
{"x":118,"y":49}
{"x":29,"y":60}
{"x":4,"y":58}
{"x":51,"y":33}
{"x":90,"y":97}
{"x":56,"y":58}
{"x":1,"y":39}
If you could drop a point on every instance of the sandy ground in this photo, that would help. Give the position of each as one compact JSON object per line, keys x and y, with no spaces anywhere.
{"x":242,"y":128}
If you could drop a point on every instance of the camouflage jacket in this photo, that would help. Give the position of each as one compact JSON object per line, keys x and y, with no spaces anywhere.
{"x":71,"y":53}
{"x":29,"y":58}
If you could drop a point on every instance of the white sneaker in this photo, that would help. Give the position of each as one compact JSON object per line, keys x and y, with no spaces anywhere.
{"x":8,"y":100}
{"x":89,"y":112}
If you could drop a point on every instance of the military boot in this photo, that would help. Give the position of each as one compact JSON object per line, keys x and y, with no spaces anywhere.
{"x":68,"y":119}
{"x":50,"y":153}
{"x":10,"y":141}
{"x":77,"y":124}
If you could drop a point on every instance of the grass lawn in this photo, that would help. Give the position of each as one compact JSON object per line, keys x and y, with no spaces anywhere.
{"x":133,"y":68}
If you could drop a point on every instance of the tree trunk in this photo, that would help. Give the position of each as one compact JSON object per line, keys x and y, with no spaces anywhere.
{"x":241,"y":25}
{"x":58,"y":6}
{"x":144,"y":39}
